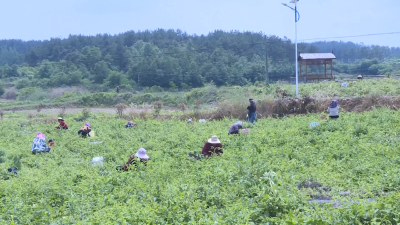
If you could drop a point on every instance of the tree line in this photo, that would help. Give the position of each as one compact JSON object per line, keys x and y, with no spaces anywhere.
{"x":169,"y":58}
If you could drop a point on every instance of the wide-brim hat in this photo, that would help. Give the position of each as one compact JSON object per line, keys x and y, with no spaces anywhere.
{"x":214,"y":140}
{"x":141,"y":153}
{"x":60,"y":118}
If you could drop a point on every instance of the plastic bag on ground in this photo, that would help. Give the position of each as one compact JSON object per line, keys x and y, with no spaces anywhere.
{"x":97,"y":161}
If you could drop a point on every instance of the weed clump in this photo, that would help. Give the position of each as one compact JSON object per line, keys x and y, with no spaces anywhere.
{"x":120,"y":109}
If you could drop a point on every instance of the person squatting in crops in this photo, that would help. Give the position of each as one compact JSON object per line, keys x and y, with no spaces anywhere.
{"x":234,"y":129}
{"x":62,"y":124}
{"x":140,"y":157}
{"x":39,"y":144}
{"x":85,"y":130}
{"x":212,"y":146}
{"x":333,"y":109}
{"x":130,"y":124}
{"x":252,"y":108}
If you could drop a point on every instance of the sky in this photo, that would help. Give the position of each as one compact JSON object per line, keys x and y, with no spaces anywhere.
{"x":44,"y":19}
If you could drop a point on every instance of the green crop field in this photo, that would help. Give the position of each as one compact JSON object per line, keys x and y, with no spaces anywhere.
{"x":269,"y":176}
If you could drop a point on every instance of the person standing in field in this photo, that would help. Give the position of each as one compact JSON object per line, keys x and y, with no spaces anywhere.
{"x":333,"y":109}
{"x":62,"y":125}
{"x":252,"y":108}
{"x":234,"y":129}
{"x":118,"y":89}
{"x":85,"y":130}
{"x":212,"y":146}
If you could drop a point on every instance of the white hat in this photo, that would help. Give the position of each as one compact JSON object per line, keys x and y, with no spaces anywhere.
{"x":190,"y":120}
{"x":214,"y":140}
{"x":141,"y":153}
{"x":60,"y":118}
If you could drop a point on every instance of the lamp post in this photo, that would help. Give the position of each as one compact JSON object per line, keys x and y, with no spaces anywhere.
{"x":296,"y":19}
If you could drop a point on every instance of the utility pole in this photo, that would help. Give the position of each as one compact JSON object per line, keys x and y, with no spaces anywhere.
{"x":266,"y":60}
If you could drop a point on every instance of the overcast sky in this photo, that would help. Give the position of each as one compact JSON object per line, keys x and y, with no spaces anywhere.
{"x":43,"y":19}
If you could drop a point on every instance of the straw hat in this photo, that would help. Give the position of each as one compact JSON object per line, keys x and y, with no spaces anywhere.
{"x":141,"y":153}
{"x":214,"y":140}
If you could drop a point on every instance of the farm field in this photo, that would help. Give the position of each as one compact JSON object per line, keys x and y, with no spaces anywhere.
{"x":282,"y":172}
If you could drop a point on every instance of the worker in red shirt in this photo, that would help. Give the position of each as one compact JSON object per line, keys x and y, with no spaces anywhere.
{"x":212,"y":146}
{"x":62,"y":125}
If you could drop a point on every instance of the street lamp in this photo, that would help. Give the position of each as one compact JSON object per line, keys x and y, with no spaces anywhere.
{"x":296,"y":19}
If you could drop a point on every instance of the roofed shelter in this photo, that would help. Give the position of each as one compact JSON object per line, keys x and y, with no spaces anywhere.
{"x":306,"y":59}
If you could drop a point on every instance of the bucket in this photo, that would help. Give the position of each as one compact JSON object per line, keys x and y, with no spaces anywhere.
{"x":91,"y":133}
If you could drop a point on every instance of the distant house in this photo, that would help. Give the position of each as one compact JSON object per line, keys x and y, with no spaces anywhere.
{"x":306,"y":59}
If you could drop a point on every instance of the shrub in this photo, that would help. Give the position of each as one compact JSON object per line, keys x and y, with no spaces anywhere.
{"x":40,"y":107}
{"x":120,"y":109}
{"x":23,"y":83}
{"x":86,"y":113}
{"x":156,"y":89}
{"x":157,"y":107}
{"x":62,"y":111}
{"x":169,"y":100}
{"x":10,"y":95}
{"x":197,"y":104}
{"x":182,"y":107}
{"x":31,"y":115}
{"x":207,"y":94}
{"x":1,"y":89}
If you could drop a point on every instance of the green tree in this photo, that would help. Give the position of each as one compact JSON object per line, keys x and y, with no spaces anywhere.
{"x":2,"y":89}
{"x":90,"y":56}
{"x":116,"y":78}
{"x":100,"y":72}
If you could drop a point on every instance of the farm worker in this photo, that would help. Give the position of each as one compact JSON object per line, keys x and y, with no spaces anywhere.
{"x":333,"y":109}
{"x":62,"y":125}
{"x":39,"y":144}
{"x":189,"y":121}
{"x":360,"y":77}
{"x":85,"y":130}
{"x":130,"y":124}
{"x":252,"y":110}
{"x":133,"y":160}
{"x":13,"y":170}
{"x":118,"y":89}
{"x":212,"y":146}
{"x":234,"y":129}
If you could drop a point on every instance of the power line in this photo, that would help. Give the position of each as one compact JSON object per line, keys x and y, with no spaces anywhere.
{"x":361,"y":35}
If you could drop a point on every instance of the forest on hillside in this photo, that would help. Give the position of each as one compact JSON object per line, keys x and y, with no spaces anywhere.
{"x":173,"y":59}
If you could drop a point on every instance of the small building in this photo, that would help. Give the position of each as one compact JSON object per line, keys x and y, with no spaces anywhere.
{"x":306,"y":59}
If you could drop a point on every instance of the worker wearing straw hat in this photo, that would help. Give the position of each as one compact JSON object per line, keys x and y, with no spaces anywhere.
{"x":132,"y":163}
{"x":212,"y":146}
{"x":62,"y":125}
